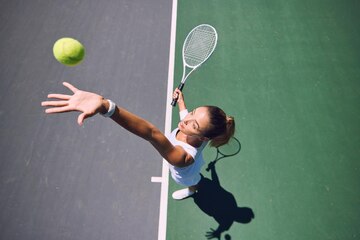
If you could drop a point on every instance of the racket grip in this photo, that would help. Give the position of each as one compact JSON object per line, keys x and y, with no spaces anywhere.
{"x":174,"y":101}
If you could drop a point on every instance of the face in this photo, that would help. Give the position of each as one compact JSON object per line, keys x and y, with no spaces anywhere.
{"x":195,"y":123}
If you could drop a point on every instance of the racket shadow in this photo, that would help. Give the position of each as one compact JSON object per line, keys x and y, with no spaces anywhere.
{"x":220,"y":204}
{"x":229,"y":150}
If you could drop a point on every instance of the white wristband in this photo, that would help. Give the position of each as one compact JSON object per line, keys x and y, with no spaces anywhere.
{"x":183,"y":114}
{"x":111,"y":110}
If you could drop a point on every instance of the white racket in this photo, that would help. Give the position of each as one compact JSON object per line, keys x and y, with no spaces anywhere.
{"x":198,"y":46}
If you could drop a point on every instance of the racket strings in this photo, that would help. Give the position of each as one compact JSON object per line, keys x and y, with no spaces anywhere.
{"x":199,"y":46}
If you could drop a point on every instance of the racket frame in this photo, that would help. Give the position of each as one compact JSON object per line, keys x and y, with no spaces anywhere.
{"x":186,"y":65}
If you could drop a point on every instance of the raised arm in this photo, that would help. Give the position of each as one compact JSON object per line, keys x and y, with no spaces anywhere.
{"x":90,"y":104}
{"x":175,"y":155}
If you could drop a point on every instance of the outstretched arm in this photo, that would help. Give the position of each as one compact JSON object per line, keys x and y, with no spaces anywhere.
{"x":90,"y":104}
{"x":175,"y":155}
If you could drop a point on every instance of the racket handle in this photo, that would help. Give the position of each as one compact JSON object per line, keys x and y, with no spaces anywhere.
{"x":174,"y":101}
{"x":211,"y":164}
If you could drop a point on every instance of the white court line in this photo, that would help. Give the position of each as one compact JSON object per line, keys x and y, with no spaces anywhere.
{"x":156,"y":179}
{"x":165,"y":168}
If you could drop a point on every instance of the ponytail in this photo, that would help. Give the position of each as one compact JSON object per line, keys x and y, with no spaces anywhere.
{"x":222,"y":127}
{"x":226,"y":136}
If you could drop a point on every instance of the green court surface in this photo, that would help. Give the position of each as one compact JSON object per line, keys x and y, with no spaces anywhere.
{"x":289,"y":72}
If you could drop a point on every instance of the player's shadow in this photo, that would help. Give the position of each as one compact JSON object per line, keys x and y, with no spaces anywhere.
{"x":220,"y":204}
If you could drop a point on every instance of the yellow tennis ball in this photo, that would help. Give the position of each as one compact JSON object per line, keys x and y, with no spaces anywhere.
{"x":69,"y":51}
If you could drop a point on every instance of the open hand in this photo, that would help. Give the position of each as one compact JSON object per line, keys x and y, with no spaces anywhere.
{"x":87,"y":103}
{"x":213,"y":234}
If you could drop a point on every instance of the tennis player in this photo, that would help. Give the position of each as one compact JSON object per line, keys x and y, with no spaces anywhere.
{"x":182,"y":149}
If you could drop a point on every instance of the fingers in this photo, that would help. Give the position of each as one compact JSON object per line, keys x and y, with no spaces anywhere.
{"x":81,"y":118}
{"x":58,"y":109}
{"x":71,"y":87}
{"x":64,"y":96}
{"x":57,"y":106}
{"x":54,"y":103}
{"x":59,"y":96}
{"x":178,"y":95}
{"x":175,"y":95}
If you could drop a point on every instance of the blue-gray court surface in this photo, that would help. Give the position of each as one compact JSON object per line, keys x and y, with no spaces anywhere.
{"x":288,"y":71}
{"x":59,"y":180}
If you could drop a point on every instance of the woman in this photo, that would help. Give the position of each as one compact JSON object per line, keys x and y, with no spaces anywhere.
{"x":182,"y":149}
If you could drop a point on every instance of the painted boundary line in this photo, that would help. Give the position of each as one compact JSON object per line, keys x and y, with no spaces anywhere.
{"x":168,"y":121}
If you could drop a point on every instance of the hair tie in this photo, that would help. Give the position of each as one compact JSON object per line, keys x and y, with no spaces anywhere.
{"x":229,"y":119}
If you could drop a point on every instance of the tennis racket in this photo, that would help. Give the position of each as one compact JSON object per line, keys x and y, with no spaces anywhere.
{"x":199,"y":44}
{"x":228,"y":150}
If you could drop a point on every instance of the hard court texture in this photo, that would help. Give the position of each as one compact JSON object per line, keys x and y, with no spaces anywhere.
{"x":288,"y":71}
{"x":59,"y":180}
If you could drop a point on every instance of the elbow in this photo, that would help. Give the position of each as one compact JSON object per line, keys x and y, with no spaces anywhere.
{"x":175,"y":156}
{"x":179,"y":165}
{"x":179,"y":159}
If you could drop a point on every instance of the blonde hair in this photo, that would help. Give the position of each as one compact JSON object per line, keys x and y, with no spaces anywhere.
{"x":222,"y":127}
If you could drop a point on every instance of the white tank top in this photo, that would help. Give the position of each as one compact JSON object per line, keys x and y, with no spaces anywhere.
{"x":189,"y":175}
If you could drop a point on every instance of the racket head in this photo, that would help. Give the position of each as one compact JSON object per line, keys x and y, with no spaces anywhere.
{"x":232,"y":148}
{"x":199,"y":44}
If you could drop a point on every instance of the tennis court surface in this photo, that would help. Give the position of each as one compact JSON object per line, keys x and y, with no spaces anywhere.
{"x":288,"y":71}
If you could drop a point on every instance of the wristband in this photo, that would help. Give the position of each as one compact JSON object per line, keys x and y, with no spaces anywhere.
{"x":111,"y":109}
{"x":183,"y":114}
